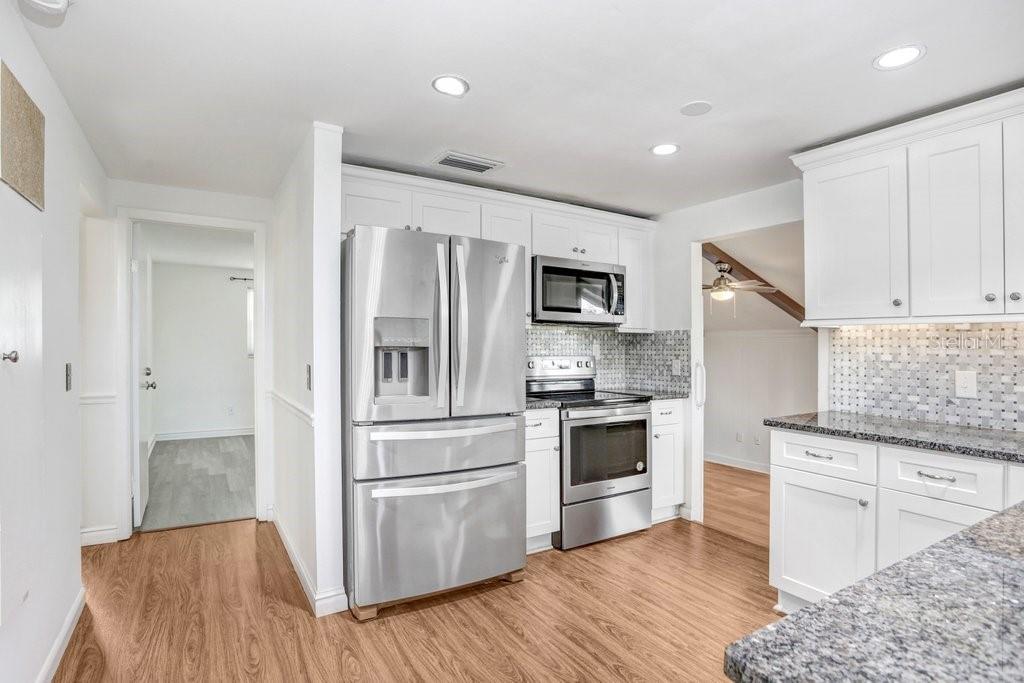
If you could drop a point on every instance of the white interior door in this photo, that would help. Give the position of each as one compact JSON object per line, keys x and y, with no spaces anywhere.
{"x":956,"y":222}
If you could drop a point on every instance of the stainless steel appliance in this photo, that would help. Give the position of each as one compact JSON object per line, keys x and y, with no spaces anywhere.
{"x":433,"y":369}
{"x":605,"y":450}
{"x":578,"y":292}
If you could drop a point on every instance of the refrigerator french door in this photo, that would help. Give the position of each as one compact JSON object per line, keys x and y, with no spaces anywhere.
{"x":434,"y":377}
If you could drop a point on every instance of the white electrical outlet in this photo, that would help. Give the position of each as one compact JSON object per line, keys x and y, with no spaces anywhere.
{"x":596,"y":350}
{"x":966,"y":384}
{"x":677,"y":367}
{"x":757,"y":440}
{"x":231,"y":410}
{"x":739,"y":437}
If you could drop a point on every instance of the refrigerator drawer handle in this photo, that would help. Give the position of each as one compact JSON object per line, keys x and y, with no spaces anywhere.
{"x":443,"y":488}
{"x":460,"y":266}
{"x":443,"y":433}
{"x":442,"y":346}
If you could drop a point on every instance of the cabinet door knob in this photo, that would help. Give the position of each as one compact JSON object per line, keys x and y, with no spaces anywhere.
{"x":11,"y":356}
{"x":1014,"y":296}
{"x":557,"y":448}
{"x":657,"y":436}
{"x":990,"y":297}
{"x":863,"y":503}
{"x":575,"y":250}
{"x":408,"y":227}
{"x":583,"y":251}
{"x":897,"y":302}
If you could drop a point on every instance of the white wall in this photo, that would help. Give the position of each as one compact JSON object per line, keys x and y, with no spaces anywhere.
{"x":305,"y":277}
{"x":40,"y":466}
{"x":753,"y":375}
{"x":126,"y":193}
{"x":201,"y":365}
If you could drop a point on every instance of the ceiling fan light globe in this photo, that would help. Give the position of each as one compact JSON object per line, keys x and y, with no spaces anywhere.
{"x":722,"y":294}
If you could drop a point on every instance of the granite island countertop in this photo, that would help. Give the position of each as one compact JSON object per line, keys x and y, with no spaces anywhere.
{"x":996,"y":444}
{"x":953,"y":611}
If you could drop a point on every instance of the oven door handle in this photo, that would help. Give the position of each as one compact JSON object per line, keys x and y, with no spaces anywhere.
{"x":610,"y":419}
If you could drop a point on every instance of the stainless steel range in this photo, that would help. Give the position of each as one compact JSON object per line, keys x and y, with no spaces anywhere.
{"x":605,"y":448}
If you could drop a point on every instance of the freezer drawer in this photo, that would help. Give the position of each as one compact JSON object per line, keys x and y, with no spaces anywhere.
{"x":424,"y":534}
{"x":404,"y":450}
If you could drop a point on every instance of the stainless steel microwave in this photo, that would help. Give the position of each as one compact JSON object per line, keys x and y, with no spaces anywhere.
{"x":577,"y":292}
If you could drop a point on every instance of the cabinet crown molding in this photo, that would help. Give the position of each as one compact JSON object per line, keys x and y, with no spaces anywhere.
{"x":982,"y":111}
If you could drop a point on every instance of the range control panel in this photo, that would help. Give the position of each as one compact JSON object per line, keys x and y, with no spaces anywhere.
{"x":576,"y":367}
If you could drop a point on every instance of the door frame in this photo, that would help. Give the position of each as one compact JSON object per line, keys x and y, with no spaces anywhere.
{"x":129,"y":353}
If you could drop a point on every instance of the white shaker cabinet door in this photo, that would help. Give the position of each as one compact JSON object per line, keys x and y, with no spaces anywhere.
{"x":512,"y":224}
{"x":381,"y":206}
{"x":598,"y":243}
{"x":822,"y":533}
{"x":555,"y":235}
{"x":542,"y":480}
{"x":635,"y":253}
{"x":445,"y":215}
{"x":956,"y":223}
{"x":908,"y":523}
{"x":1013,"y":187}
{"x":667,"y":466}
{"x":855,"y":238}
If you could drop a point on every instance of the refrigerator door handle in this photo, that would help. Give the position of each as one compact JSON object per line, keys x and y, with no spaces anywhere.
{"x":460,"y":267}
{"x":443,"y":433}
{"x":443,"y":488}
{"x":442,"y":347}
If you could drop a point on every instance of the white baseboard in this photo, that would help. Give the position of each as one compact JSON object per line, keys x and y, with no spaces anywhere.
{"x":763,"y":468}
{"x":96,"y":535}
{"x":152,"y":445}
{"x":789,"y":603}
{"x":664,"y":514}
{"x":536,"y":544}
{"x":204,"y":434}
{"x":322,"y":604}
{"x":53,"y":658}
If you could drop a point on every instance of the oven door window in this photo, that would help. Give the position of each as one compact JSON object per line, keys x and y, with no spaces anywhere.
{"x":604,"y":452}
{"x":574,"y":291}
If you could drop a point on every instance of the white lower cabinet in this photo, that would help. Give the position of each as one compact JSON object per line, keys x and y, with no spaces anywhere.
{"x":908,"y":523}
{"x":822,"y":532}
{"x":542,"y":499}
{"x":667,"y":466}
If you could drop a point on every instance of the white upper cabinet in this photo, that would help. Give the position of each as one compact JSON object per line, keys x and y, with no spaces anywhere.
{"x":635,"y":253}
{"x":372,"y":204}
{"x":956,"y":222}
{"x":565,"y":237}
{"x":855,"y":238}
{"x":506,"y":223}
{"x":445,"y":215}
{"x":1013,"y":178}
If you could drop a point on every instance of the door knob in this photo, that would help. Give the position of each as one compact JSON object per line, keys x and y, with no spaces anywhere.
{"x":12,"y":356}
{"x":1014,"y":296}
{"x":990,"y":297}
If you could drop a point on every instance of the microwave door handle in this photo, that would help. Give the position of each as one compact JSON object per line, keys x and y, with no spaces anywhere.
{"x":615,"y":293}
{"x":460,"y":267}
{"x":442,"y":305}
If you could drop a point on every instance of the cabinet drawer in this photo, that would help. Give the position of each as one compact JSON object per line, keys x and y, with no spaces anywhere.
{"x":944,"y":477}
{"x":666,"y":412}
{"x":908,"y":523}
{"x":541,"y":424}
{"x":851,"y":460}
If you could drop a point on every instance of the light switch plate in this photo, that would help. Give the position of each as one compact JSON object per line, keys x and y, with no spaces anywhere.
{"x":966,"y":384}
{"x":677,"y":367}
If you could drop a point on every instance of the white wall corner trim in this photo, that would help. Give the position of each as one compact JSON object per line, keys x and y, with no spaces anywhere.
{"x":63,"y":638}
{"x":204,"y":434}
{"x":300,"y":412}
{"x":322,"y":603}
{"x":97,"y":535}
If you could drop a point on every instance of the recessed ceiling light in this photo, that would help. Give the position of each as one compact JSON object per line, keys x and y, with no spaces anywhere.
{"x":695,"y":108}
{"x":450,"y":85}
{"x":664,"y":149}
{"x":899,"y":57}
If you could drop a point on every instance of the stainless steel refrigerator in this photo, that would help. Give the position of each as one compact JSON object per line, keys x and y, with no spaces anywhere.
{"x":434,"y":368}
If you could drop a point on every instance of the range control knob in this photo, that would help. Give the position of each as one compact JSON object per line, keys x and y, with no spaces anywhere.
{"x":531,"y":365}
{"x":589,"y":364}
{"x":579,"y":364}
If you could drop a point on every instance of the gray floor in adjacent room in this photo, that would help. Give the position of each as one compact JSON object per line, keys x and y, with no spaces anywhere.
{"x":198,"y":481}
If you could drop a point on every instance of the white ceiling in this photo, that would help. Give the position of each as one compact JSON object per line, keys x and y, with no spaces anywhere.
{"x":777,"y":255}
{"x":194,"y":245}
{"x":569,"y":94}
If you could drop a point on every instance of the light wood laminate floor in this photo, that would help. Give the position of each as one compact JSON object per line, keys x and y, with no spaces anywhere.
{"x":198,"y":481}
{"x":221,"y":602}
{"x":736,"y":502}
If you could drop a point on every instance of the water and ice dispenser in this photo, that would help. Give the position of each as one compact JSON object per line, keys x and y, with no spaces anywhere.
{"x":402,"y":358}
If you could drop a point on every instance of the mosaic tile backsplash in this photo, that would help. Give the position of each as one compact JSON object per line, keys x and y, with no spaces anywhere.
{"x":907,"y":372}
{"x":623,"y":360}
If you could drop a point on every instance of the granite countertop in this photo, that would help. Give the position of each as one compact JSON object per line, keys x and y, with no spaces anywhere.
{"x":540,"y":403}
{"x":997,"y":444}
{"x":954,"y":611}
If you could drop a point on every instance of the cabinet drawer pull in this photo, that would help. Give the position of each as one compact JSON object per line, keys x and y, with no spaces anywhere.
{"x":535,"y":424}
{"x":937,"y":477}
{"x":665,"y":412}
{"x":819,"y":456}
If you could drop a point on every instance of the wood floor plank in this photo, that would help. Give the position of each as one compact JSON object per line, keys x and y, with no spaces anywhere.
{"x":221,"y":602}
{"x":736,"y":502}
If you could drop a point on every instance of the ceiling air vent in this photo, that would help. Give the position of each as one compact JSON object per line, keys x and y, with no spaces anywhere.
{"x":467,"y":162}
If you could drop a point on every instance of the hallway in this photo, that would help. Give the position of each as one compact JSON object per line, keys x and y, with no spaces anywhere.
{"x":199,"y":481}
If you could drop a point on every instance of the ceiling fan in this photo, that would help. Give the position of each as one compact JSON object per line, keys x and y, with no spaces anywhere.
{"x":723,"y":289}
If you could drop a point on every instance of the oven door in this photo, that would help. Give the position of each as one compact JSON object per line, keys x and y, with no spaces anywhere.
{"x":605,"y":452}
{"x":565,"y":290}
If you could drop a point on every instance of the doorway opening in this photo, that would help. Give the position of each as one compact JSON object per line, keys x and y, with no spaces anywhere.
{"x":193,"y":342}
{"x":759,"y":362}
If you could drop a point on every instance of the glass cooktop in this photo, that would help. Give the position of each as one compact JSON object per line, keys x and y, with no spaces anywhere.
{"x":579,"y":399}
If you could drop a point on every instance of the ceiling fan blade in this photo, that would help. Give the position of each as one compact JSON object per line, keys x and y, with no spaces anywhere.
{"x":707,"y":287}
{"x":746,"y":283}
{"x":761,"y":290}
